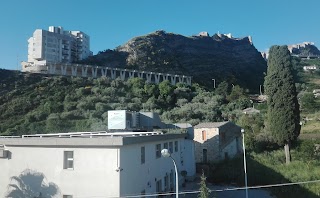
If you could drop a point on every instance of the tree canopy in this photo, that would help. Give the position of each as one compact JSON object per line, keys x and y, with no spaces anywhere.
{"x":283,"y":115}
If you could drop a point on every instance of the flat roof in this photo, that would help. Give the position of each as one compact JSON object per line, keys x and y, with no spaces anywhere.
{"x":93,"y":140}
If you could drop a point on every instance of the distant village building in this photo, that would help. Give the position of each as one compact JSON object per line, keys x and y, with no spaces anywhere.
{"x":291,"y":48}
{"x":250,"y":111}
{"x":310,"y":68}
{"x":56,"y":46}
{"x":115,"y":163}
{"x":216,"y":141}
{"x":229,"y":35}
{"x":203,"y":34}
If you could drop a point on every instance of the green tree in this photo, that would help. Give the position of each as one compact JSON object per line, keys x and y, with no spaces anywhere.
{"x":222,"y":89}
{"x":165,"y":88}
{"x":204,"y":190}
{"x":308,"y":102}
{"x":283,"y":115}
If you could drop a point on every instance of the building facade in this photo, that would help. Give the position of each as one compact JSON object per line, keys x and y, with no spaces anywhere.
{"x":92,"y":164}
{"x":56,"y":46}
{"x":216,"y":141}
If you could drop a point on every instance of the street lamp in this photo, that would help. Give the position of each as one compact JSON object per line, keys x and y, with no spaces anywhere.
{"x":166,"y":153}
{"x":214,"y":83}
{"x":244,"y":163}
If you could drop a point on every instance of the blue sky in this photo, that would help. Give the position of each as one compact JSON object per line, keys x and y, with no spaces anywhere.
{"x":112,"y":23}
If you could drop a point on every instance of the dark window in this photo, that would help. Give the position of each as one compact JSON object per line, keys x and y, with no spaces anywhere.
{"x":158,"y":150}
{"x":176,"y":149}
{"x":143,"y":155}
{"x":171,"y":147}
{"x":68,"y":160}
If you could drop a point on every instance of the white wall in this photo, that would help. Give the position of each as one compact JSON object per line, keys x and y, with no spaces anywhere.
{"x":135,"y":176}
{"x":93,"y":175}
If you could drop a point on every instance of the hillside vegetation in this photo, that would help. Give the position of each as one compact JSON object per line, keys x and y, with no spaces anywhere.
{"x":32,"y":103}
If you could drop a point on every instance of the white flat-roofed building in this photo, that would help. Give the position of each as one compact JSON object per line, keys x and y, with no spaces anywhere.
{"x":92,"y":164}
{"x":56,"y":46}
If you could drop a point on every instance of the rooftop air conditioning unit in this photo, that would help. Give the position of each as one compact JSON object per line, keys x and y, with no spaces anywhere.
{"x":3,"y":153}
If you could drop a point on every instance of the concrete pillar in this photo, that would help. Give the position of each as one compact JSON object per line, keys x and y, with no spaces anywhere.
{"x":104,"y":72}
{"x":131,"y":73}
{"x":157,"y":78}
{"x":63,"y":69}
{"x":173,"y":79}
{"x":189,"y":80}
{"x":94,"y":71}
{"x":123,"y":74}
{"x":52,"y":69}
{"x":113,"y":73}
{"x":165,"y":77}
{"x":149,"y":77}
{"x":181,"y":79}
{"x":74,"y":70}
{"x":140,"y":74}
{"x":84,"y":70}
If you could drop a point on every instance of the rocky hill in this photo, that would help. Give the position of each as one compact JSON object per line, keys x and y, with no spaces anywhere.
{"x":304,"y":49}
{"x":205,"y":57}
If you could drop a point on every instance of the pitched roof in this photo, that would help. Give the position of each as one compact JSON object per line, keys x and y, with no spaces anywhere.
{"x":210,"y":125}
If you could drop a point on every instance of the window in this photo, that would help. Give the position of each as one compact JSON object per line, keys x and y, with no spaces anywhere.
{"x":67,"y":196}
{"x":158,"y":150}
{"x":171,"y":181}
{"x":176,"y":146}
{"x":166,"y":183}
{"x":171,"y":147}
{"x":159,"y":186}
{"x":68,"y":160}
{"x":204,"y":135}
{"x":165,"y":145}
{"x":143,"y":155}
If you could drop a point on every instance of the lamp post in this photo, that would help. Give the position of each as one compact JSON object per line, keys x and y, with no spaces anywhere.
{"x":214,"y":83}
{"x":244,"y":163}
{"x":166,"y":153}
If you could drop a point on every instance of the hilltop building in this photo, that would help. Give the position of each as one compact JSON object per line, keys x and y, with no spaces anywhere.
{"x":294,"y":47}
{"x":56,"y":46}
{"x":115,"y":163}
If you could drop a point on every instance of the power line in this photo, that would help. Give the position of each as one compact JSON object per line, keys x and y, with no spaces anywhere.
{"x":212,"y":190}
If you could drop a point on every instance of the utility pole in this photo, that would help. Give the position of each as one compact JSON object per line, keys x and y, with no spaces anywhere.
{"x":260,"y":89}
{"x":214,"y":83}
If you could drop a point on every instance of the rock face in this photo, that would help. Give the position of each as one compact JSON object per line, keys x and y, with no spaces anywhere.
{"x":304,"y":49}
{"x":219,"y":57}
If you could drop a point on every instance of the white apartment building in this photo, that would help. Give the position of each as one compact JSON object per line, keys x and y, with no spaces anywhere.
{"x":92,"y":164}
{"x":56,"y":46}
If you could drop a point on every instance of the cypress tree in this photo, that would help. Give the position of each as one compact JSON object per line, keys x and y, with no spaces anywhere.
{"x":204,"y":190}
{"x":283,"y":117}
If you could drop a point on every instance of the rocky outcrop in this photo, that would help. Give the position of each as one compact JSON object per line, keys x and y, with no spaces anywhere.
{"x":220,"y":57}
{"x":304,"y":49}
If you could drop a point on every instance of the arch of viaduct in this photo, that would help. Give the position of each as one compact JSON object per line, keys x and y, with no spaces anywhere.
{"x":113,"y":73}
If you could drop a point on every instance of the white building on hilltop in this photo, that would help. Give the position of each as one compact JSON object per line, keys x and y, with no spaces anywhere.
{"x":56,"y":46}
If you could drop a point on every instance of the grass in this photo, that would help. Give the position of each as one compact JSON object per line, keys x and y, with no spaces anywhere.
{"x":312,"y":126}
{"x":270,"y":168}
